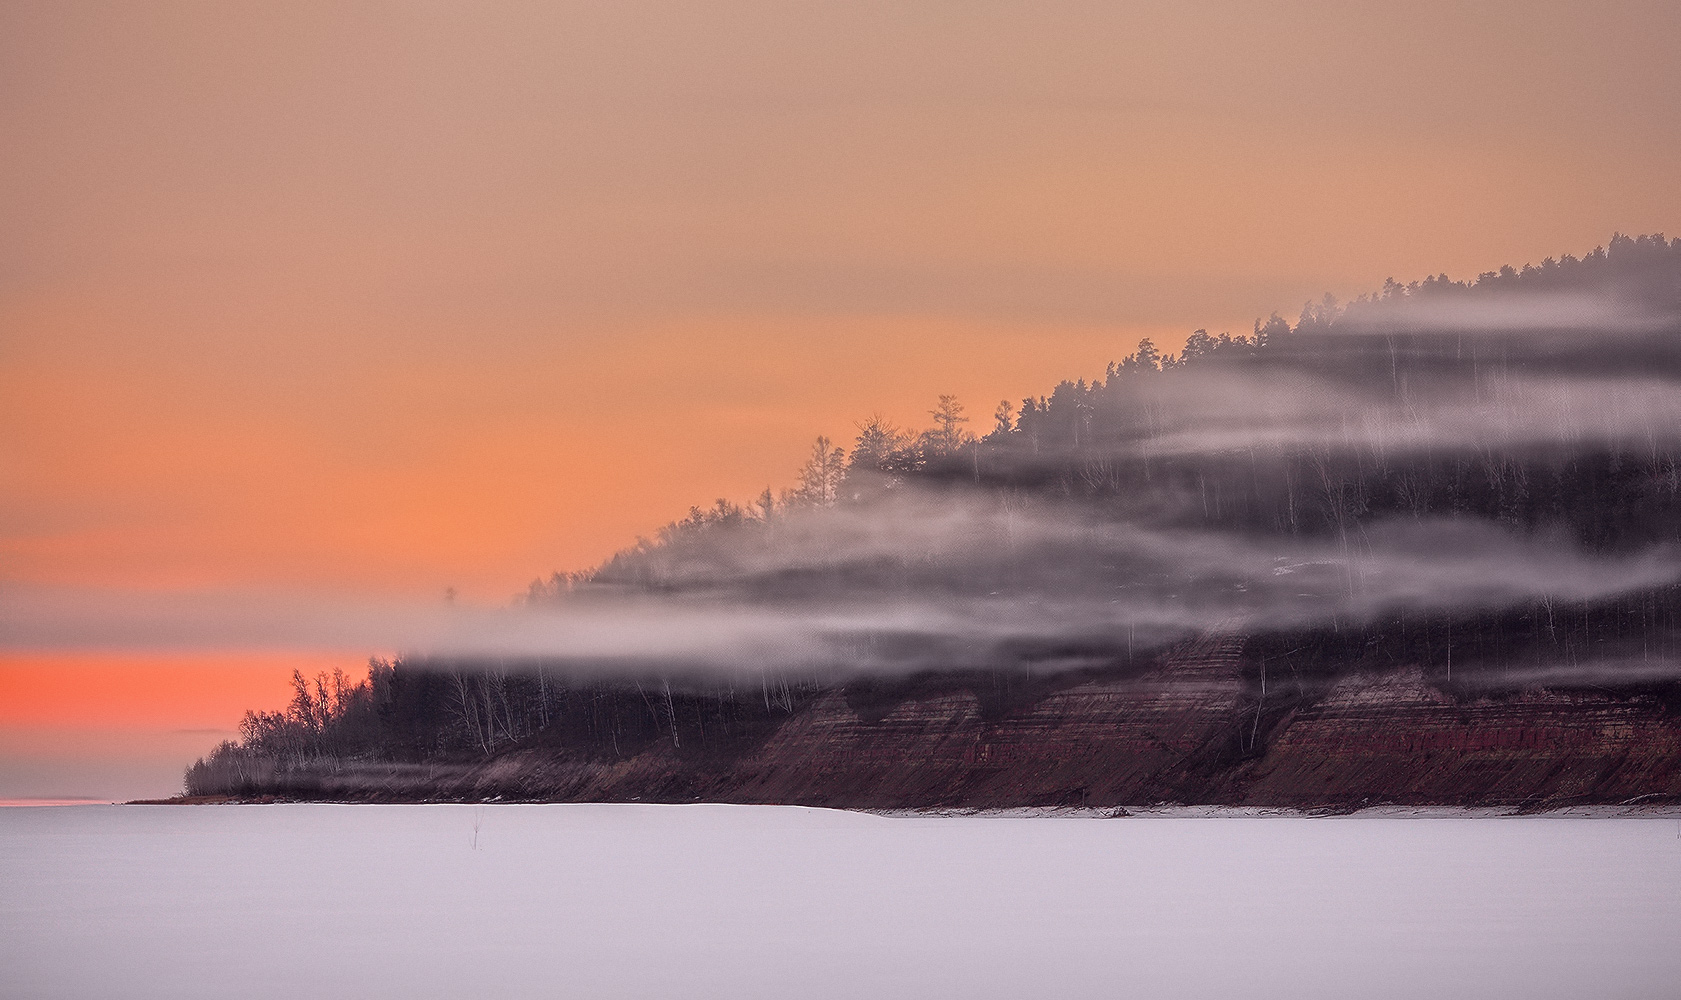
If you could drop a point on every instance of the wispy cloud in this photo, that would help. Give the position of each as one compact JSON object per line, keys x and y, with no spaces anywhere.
{"x":916,"y":582}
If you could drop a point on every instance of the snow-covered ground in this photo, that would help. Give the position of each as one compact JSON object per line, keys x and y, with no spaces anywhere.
{"x":741,"y":902}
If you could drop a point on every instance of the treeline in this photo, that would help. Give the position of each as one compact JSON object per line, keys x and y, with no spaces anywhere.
{"x":424,"y":710}
{"x":1094,"y":442}
{"x":410,"y":718}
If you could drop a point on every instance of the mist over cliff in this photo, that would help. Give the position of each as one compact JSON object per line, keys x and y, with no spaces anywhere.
{"x":1472,"y":486}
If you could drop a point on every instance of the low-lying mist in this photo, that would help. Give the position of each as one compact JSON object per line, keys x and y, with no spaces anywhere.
{"x":1499,"y":451}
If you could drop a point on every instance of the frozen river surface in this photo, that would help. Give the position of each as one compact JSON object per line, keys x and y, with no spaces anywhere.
{"x":742,"y":902}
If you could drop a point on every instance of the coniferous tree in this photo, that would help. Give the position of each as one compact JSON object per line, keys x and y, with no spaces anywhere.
{"x":948,"y":434}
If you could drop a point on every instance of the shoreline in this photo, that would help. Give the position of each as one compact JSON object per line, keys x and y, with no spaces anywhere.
{"x":1158,"y":811}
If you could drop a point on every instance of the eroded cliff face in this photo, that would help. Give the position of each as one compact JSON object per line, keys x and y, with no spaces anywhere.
{"x":1197,"y":727}
{"x":1394,"y":738}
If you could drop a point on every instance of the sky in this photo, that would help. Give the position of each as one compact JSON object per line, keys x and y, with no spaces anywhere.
{"x":378,"y":300}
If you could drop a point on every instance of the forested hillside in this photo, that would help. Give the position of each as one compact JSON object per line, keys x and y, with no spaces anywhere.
{"x":1474,"y":483}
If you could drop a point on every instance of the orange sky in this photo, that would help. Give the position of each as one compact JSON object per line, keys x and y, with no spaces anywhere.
{"x":389,"y":298}
{"x":112,"y":725}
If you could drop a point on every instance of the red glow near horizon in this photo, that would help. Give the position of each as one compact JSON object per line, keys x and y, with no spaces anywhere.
{"x":152,"y":691}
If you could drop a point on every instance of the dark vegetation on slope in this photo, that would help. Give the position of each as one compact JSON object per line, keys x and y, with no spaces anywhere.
{"x":1258,"y":689}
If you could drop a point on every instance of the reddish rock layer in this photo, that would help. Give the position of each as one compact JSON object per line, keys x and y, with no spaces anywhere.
{"x":1194,"y":729}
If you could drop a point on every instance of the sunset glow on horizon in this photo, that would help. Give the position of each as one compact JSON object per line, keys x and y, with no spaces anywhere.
{"x":397,"y":301}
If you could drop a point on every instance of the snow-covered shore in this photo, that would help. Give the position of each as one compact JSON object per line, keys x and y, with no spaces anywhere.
{"x":630,"y":901}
